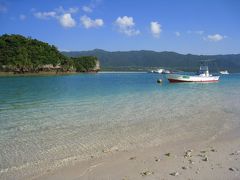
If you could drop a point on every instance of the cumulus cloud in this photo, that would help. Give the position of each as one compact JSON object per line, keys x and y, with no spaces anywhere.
{"x":91,"y":6}
{"x":177,"y":33}
{"x":87,"y":9}
{"x":155,"y":29}
{"x":22,"y":17}
{"x":45,"y":15}
{"x":215,"y":37}
{"x":63,"y":16}
{"x":67,"y":21}
{"x":126,"y":26}
{"x":70,"y":10}
{"x":87,"y":22}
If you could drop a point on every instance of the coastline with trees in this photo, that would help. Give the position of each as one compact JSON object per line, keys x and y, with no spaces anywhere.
{"x":21,"y":55}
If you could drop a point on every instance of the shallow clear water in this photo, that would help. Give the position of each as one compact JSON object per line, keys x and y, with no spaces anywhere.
{"x":51,"y":121}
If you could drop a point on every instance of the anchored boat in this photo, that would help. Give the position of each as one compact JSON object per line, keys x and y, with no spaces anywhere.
{"x":202,"y":76}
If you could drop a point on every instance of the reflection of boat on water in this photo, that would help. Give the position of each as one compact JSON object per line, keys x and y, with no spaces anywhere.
{"x":224,"y":72}
{"x":202,"y":76}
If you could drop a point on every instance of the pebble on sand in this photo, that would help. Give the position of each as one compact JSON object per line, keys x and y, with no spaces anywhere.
{"x":132,"y":158}
{"x":146,"y":173}
{"x":233,"y":169}
{"x":168,"y":154}
{"x":174,"y":173}
{"x":205,"y":159}
{"x":188,"y":153}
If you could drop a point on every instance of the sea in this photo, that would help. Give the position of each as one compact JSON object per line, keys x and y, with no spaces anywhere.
{"x":48,"y":122}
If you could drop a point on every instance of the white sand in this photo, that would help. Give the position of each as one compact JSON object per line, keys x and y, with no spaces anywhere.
{"x":222,"y":152}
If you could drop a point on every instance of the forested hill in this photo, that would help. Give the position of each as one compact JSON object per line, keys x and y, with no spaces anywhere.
{"x":172,"y":60}
{"x":19,"y":54}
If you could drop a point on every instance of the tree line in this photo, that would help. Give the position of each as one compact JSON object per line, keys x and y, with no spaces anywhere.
{"x":23,"y":54}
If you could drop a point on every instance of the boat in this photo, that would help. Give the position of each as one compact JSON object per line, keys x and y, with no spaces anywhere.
{"x":224,"y":72}
{"x":159,"y":71}
{"x":202,"y":76}
{"x":165,"y":71}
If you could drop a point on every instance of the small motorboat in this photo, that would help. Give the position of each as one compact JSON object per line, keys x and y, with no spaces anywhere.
{"x":224,"y":72}
{"x":202,"y":76}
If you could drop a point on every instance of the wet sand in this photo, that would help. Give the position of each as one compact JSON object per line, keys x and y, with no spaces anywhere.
{"x":214,"y":158}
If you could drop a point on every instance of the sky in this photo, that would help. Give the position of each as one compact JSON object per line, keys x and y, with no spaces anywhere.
{"x":183,"y":26}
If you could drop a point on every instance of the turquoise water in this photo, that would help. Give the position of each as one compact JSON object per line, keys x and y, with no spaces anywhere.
{"x":51,"y":121}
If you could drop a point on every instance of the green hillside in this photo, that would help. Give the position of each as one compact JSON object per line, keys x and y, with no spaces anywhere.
{"x":150,"y":59}
{"x":19,"y":54}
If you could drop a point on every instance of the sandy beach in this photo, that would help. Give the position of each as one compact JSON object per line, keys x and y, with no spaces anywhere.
{"x":214,"y":158}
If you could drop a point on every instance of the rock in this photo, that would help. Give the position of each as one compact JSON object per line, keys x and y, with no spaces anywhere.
{"x":184,"y":167}
{"x":188,"y":154}
{"x":191,"y":161}
{"x":213,"y":150}
{"x":132,"y":158}
{"x":146,"y":173}
{"x":205,"y":159}
{"x":203,"y":151}
{"x":168,"y":154}
{"x":235,"y":153}
{"x":174,"y":174}
{"x":197,"y":172}
{"x":157,"y":159}
{"x":233,"y":169}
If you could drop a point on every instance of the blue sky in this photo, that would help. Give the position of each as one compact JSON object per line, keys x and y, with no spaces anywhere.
{"x":184,"y":26}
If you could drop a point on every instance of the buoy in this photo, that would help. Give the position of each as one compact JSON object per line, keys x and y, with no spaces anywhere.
{"x":159,"y":81}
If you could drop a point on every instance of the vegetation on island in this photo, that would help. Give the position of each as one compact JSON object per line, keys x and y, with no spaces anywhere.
{"x":145,"y":60}
{"x":20,"y":55}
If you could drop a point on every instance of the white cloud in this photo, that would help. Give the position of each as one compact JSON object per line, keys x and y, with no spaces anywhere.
{"x":45,"y":15}
{"x":87,"y":22}
{"x":177,"y":33}
{"x":71,"y":10}
{"x":215,"y":37}
{"x":87,"y":9}
{"x":22,"y":17}
{"x":155,"y":29}
{"x":67,"y":21}
{"x":126,"y":25}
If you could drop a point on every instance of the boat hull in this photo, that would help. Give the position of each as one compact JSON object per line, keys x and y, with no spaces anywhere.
{"x":176,"y":78}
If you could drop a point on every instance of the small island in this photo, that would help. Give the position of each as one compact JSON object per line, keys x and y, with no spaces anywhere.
{"x":24,"y":55}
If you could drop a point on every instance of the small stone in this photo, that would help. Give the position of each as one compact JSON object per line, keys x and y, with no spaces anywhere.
{"x":157,"y":159}
{"x":232,"y":169}
{"x":184,"y":167}
{"x":92,"y":156}
{"x":174,"y":173}
{"x":132,"y":158}
{"x":205,"y":159}
{"x":146,"y":173}
{"x":203,"y":151}
{"x":197,"y":172}
{"x":191,"y":161}
{"x":213,"y":150}
{"x":168,"y":154}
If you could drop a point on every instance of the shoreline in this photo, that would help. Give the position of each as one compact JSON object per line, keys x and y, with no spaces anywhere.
{"x":12,"y":74}
{"x":201,"y":159}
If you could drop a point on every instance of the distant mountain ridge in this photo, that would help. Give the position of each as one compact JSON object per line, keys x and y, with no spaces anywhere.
{"x":150,"y":59}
